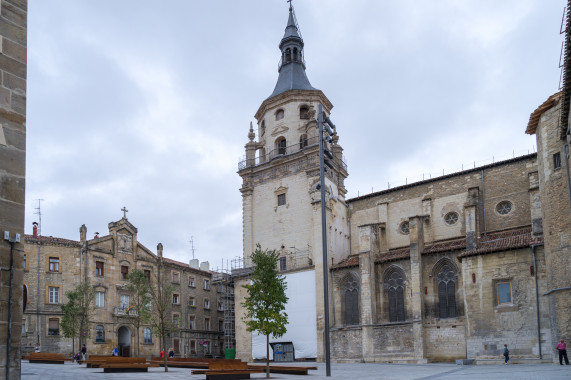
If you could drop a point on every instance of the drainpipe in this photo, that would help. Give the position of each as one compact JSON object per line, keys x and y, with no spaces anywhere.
{"x":536,"y":299}
{"x":38,"y":296}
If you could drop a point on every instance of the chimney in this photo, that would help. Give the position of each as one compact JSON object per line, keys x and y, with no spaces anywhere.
{"x":205,"y":266}
{"x":193,"y":263}
{"x":35,"y":229}
{"x":82,"y":233}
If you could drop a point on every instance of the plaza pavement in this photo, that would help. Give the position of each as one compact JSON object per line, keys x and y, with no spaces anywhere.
{"x":352,"y":371}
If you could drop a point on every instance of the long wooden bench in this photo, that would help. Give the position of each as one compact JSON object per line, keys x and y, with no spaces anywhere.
{"x":47,"y":358}
{"x":93,"y":361}
{"x":290,"y":370}
{"x":189,"y":362}
{"x":120,"y":364}
{"x":222,"y":369}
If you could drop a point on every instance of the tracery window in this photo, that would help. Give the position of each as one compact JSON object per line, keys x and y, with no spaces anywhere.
{"x":351,"y":301}
{"x":451,"y":218}
{"x":395,"y":288}
{"x":446,"y":280}
{"x":504,"y":207}
{"x":404,"y":228}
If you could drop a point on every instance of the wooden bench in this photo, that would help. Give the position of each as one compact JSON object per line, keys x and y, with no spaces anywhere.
{"x":122,"y":364}
{"x":188,"y":362}
{"x":47,"y":358}
{"x":223,"y":369}
{"x":290,"y":370}
{"x":93,"y":361}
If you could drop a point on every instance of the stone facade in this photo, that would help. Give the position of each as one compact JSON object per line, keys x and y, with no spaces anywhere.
{"x":448,"y":268}
{"x":13,"y":43}
{"x":54,"y":266}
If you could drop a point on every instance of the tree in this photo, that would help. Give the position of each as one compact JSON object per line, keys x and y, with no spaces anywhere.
{"x":139,"y":297}
{"x":266,"y":299}
{"x":161,"y":305}
{"x":77,"y":313}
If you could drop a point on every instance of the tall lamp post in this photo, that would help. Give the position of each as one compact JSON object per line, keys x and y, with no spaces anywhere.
{"x":326,"y":130}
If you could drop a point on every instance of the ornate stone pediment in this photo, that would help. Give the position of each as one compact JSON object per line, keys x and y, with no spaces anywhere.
{"x":280,"y":130}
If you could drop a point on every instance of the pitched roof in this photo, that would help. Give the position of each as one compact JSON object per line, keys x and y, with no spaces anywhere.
{"x":536,"y":115}
{"x":489,"y":243}
{"x":51,"y":240}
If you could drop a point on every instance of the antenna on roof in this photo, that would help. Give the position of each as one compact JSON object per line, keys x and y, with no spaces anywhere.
{"x":39,"y":213}
{"x":192,"y":249}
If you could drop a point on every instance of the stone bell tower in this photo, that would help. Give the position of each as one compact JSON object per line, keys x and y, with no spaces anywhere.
{"x":280,"y":172}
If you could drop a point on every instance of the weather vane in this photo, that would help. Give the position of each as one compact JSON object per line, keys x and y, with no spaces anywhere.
{"x":289,"y":1}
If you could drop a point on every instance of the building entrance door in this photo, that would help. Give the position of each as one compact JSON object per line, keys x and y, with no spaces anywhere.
{"x":124,"y":341}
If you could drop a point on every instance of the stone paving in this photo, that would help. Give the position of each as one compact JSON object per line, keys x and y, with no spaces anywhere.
{"x":338,"y":371}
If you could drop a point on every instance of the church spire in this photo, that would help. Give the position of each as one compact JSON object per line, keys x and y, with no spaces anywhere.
{"x":292,"y":65}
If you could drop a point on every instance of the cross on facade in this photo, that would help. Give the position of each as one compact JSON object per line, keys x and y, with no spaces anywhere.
{"x":125,"y":211}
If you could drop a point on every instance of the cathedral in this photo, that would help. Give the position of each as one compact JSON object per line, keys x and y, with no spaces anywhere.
{"x":448,"y":268}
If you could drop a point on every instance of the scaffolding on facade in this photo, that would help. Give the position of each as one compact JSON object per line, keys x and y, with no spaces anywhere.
{"x":222,"y":280}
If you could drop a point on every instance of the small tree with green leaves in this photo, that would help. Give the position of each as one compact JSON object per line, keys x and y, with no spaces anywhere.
{"x":266,"y":299}
{"x":161,"y":306}
{"x":77,"y":312}
{"x":140,"y":298}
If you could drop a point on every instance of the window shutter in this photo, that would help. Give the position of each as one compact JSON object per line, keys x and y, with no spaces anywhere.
{"x":451,"y":299}
{"x":400,"y":304}
{"x":442,"y":298}
{"x":54,"y":324}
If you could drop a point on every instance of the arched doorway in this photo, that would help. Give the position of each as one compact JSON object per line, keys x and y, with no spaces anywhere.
{"x":124,"y":341}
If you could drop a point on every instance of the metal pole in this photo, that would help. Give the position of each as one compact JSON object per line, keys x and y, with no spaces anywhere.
{"x":324,"y":242}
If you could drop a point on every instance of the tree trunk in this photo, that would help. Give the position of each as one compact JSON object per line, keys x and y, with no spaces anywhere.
{"x":165,"y":351}
{"x":267,"y":356}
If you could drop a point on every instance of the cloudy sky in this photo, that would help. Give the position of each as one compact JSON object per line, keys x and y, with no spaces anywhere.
{"x":147,"y":104}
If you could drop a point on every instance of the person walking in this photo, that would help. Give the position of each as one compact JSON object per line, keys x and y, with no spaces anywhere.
{"x":83,"y":352}
{"x":506,"y":354}
{"x":562,"y":348}
{"x":115,"y":352}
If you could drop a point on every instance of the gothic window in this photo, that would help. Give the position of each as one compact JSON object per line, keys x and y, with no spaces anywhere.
{"x":404,"y":228}
{"x":99,"y":334}
{"x":351,"y":301}
{"x":295,"y":54}
{"x":279,"y":114}
{"x":302,"y":141}
{"x":504,"y":207}
{"x":446,"y":281}
{"x":451,"y":218}
{"x":394,"y":284}
{"x":281,"y":145}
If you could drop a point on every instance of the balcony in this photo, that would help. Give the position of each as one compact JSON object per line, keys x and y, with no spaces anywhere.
{"x":284,"y":151}
{"x":121,"y":311}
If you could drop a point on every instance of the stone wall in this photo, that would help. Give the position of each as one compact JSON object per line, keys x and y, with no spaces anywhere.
{"x":13,"y":43}
{"x":556,"y":214}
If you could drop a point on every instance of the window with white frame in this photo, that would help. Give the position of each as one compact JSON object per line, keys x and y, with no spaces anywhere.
{"x":206,"y":303}
{"x":99,"y":299}
{"x":175,"y":299}
{"x":191,"y":323}
{"x":148,"y":335}
{"x":191,"y":302}
{"x":206,"y":284}
{"x":207,"y":323}
{"x":53,"y":294}
{"x":191,"y":281}
{"x":124,"y":300}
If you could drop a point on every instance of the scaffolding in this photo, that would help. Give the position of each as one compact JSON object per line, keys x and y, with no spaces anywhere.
{"x":222,"y":280}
